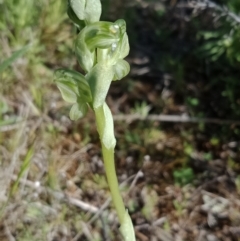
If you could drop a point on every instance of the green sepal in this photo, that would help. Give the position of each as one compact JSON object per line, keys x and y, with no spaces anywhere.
{"x":78,"y":7}
{"x":127,"y":229}
{"x":93,"y":11}
{"x":124,"y":47}
{"x":87,"y":10}
{"x":78,"y":111}
{"x":85,"y":57}
{"x":121,"y":69}
{"x":67,"y":86}
{"x":99,"y":79}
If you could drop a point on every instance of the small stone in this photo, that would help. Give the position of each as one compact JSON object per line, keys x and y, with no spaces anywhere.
{"x":212,"y":237}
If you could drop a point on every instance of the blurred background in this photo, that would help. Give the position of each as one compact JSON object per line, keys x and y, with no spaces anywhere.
{"x":176,"y":122}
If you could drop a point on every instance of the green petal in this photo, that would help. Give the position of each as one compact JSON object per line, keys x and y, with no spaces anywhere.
{"x":121,"y":69}
{"x":121,"y":50}
{"x":101,"y":40}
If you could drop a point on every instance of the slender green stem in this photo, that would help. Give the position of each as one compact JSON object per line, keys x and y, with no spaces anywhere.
{"x":108,"y":156}
{"x":105,"y":122}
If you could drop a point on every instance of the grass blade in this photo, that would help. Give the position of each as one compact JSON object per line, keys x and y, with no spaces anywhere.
{"x":12,"y":58}
{"x":24,"y":167}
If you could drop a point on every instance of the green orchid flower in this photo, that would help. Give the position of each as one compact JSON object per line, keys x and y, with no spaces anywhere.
{"x":75,"y":90}
{"x":100,"y":48}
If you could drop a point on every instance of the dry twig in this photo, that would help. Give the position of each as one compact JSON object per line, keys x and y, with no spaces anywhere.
{"x":208,"y":4}
{"x":174,"y":118}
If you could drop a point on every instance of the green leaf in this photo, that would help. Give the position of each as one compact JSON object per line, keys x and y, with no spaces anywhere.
{"x":12,"y":58}
{"x":78,"y":111}
{"x":105,"y":126}
{"x":127,"y":229}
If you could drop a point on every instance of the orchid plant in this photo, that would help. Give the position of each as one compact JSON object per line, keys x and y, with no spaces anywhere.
{"x":100,"y":48}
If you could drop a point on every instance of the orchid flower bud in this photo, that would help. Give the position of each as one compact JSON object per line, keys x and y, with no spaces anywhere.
{"x":87,"y":10}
